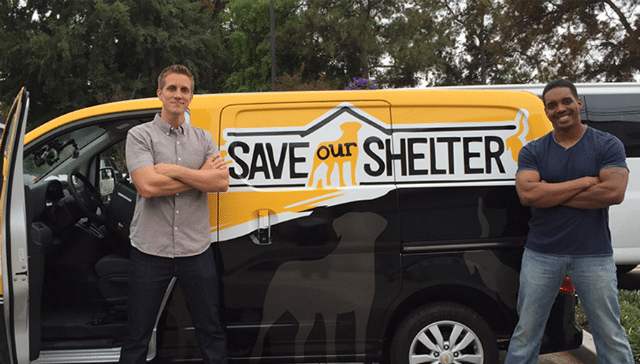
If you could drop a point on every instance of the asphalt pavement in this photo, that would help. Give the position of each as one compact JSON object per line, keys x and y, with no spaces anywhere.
{"x":587,"y":353}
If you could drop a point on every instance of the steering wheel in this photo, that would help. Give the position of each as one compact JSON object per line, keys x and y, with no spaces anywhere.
{"x":88,"y":199}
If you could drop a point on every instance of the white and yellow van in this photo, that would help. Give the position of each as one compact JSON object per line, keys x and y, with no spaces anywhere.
{"x":358,"y":226}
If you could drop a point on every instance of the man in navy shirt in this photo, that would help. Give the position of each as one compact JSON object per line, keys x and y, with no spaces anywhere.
{"x":569,"y":178}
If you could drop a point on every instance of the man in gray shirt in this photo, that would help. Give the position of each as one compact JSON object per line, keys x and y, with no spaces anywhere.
{"x":174,"y":166}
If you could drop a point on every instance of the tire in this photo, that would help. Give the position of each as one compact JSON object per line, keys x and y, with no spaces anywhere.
{"x":416,"y":339}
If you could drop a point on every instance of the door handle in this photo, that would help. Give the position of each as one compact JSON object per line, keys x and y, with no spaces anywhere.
{"x":264,"y":228}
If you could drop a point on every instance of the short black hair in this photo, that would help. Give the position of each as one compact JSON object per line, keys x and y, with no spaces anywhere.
{"x":560,"y":83}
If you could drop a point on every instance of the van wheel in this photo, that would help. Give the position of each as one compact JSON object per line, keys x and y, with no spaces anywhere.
{"x":444,"y":333}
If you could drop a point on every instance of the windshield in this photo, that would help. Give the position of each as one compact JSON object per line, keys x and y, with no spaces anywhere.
{"x":47,"y":161}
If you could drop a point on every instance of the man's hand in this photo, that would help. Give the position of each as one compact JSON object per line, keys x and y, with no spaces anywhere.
{"x":165,"y":169}
{"x":214,"y":162}
{"x":173,"y":170}
{"x":609,"y":191}
{"x":150,"y":183}
{"x":212,"y":176}
{"x":535,"y":192}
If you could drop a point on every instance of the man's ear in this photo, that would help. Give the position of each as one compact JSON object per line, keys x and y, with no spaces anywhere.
{"x":158,"y":92}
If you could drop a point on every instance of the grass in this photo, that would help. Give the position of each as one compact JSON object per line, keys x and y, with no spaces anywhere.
{"x":629,"y":318}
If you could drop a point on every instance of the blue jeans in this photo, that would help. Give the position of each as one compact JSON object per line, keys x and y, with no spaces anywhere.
{"x":594,"y":279}
{"x":149,"y":277}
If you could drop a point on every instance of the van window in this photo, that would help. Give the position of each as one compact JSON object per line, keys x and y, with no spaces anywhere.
{"x":602,"y":108}
{"x":462,"y":213}
{"x":39,"y":164}
{"x":615,"y":114}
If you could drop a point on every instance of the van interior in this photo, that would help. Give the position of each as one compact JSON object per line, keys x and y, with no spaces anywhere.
{"x":80,"y":201}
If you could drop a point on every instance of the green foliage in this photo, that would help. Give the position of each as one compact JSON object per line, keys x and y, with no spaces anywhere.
{"x":77,"y":53}
{"x":512,"y":41}
{"x":629,"y":318}
{"x":595,"y":41}
{"x":453,"y":43}
{"x":413,"y":42}
{"x":296,"y":82}
{"x":249,"y":39}
{"x":342,"y":38}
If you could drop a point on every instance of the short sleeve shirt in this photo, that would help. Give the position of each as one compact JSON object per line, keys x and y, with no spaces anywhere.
{"x":178,"y":225}
{"x":563,"y":230}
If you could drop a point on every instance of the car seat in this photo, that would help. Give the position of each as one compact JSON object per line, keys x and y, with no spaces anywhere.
{"x":113,"y":269}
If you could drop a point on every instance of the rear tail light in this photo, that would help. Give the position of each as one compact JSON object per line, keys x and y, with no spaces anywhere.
{"x":567,"y":286}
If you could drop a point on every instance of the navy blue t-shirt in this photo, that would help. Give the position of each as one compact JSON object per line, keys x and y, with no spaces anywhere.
{"x":562,"y":230}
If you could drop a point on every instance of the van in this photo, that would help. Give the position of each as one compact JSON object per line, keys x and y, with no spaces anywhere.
{"x":614,"y":108}
{"x":359,"y":226}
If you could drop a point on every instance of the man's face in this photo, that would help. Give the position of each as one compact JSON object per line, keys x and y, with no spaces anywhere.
{"x":176,"y":95}
{"x":562,"y":108}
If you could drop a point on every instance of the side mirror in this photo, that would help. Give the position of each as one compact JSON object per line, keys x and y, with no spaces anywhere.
{"x":107,"y":183}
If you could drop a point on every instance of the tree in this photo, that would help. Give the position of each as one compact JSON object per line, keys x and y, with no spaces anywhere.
{"x":513,"y":41}
{"x":288,"y":82}
{"x":344,"y":37}
{"x":248,"y":38}
{"x":412,"y":42}
{"x":77,"y":53}
{"x":584,"y":40}
{"x":451,"y":43}
{"x":324,"y":42}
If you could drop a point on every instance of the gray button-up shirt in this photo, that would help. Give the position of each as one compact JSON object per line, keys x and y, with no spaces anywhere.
{"x":178,"y":225}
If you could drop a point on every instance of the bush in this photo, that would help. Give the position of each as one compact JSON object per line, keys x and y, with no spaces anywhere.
{"x":629,"y":318}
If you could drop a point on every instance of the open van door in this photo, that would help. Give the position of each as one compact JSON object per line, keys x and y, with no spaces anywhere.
{"x":15,"y":278}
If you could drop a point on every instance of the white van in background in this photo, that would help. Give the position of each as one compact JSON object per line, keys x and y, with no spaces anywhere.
{"x":614,"y":108}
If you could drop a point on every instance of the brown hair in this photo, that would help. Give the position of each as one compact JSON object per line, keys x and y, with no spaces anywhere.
{"x":176,"y":68}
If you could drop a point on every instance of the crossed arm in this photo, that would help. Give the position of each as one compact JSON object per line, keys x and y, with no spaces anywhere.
{"x":168,"y":179}
{"x":583,"y":193}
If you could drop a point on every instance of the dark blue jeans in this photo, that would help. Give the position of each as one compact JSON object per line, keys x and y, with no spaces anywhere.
{"x":149,"y":277}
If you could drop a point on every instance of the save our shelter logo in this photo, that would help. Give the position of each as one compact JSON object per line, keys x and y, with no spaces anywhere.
{"x":281,"y":174}
{"x":348,"y":147}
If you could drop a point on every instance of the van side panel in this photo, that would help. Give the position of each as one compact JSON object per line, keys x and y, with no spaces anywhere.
{"x":324,"y":197}
{"x":301,"y":239}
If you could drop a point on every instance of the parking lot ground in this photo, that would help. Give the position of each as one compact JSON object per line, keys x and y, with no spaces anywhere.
{"x":586,"y":354}
{"x":578,"y":356}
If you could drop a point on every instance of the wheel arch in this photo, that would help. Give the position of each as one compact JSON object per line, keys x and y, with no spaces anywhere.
{"x":480,"y":302}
